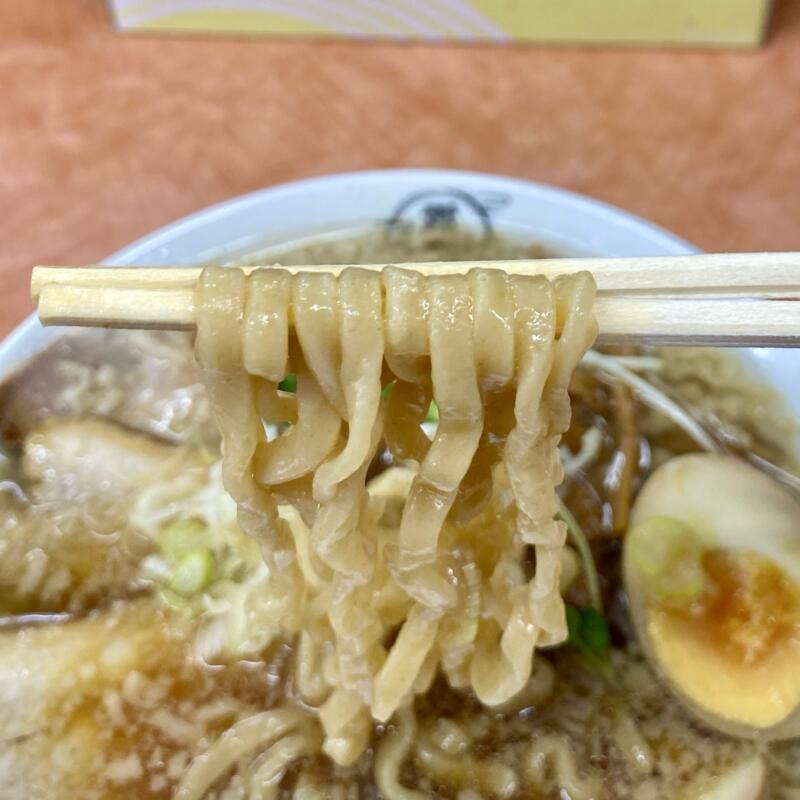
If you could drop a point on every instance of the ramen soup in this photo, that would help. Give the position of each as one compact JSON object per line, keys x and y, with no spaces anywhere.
{"x":449,"y":550}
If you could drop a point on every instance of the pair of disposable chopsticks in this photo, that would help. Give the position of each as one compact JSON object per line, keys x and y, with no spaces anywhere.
{"x":742,"y":299}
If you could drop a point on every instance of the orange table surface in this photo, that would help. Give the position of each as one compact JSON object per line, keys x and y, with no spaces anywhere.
{"x":105,"y":136}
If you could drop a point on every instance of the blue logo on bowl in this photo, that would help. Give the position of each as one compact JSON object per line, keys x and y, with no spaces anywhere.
{"x":447,"y":207}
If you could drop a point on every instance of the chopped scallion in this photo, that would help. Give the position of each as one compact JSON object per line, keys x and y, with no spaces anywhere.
{"x":288,"y":384}
{"x":193,"y":572}
{"x":433,"y":413}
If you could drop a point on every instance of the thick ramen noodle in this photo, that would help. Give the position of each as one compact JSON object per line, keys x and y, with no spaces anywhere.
{"x":450,"y":562}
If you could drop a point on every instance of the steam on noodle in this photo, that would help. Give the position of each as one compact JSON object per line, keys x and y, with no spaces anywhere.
{"x":379,"y":606}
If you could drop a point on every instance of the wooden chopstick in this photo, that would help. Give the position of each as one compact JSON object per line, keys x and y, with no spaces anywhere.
{"x":718,"y":272}
{"x":723,"y":300}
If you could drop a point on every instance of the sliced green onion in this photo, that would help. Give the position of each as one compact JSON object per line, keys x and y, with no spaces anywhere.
{"x":193,"y":572}
{"x":387,"y":390}
{"x":590,"y":637}
{"x":288,"y":384}
{"x":595,"y":631}
{"x":668,"y":555}
{"x":588,"y":631}
{"x":433,"y":413}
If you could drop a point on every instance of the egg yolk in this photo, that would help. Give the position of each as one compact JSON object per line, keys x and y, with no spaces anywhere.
{"x":748,"y":606}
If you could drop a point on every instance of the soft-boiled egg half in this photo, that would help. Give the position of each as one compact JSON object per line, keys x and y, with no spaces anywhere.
{"x":712,"y":570}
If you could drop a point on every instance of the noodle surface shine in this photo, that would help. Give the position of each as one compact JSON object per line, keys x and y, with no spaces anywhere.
{"x":427,"y":568}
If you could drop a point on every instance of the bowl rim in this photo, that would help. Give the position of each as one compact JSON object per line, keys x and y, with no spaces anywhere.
{"x":542,"y":191}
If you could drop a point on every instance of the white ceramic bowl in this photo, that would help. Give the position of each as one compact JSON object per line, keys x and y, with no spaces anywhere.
{"x":562,"y":221}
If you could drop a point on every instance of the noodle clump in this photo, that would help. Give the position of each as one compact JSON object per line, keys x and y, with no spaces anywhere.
{"x":450,"y":559}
